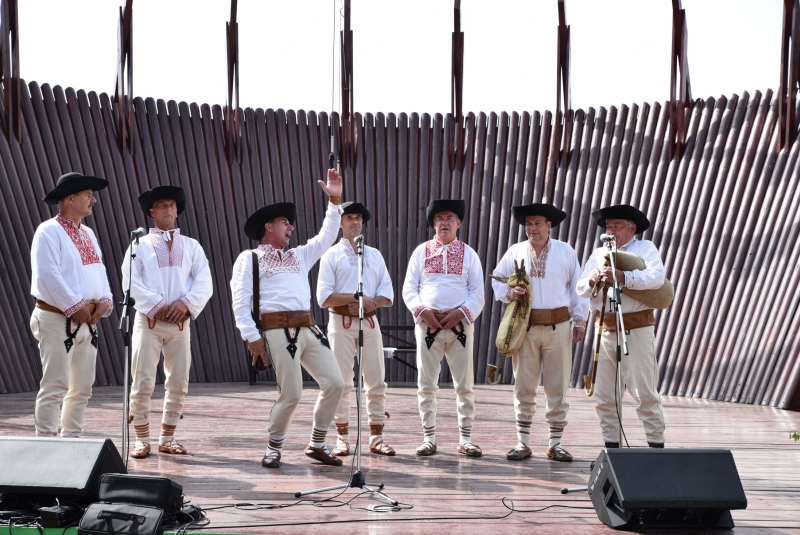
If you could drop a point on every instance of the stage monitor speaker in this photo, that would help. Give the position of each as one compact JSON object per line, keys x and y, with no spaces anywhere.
{"x":648,"y":488}
{"x":56,"y":467}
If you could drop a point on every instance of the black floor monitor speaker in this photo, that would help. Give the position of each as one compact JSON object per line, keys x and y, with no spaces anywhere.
{"x":648,"y":488}
{"x":63,"y":468}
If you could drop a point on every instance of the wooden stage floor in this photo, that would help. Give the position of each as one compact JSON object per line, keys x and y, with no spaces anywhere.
{"x":225,"y":431}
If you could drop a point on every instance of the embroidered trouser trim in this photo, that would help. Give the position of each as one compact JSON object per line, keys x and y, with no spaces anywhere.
{"x":67,"y":376}
{"x":459,"y":359}
{"x":343,"y":340}
{"x":639,"y":376}
{"x":545,"y":352}
{"x":147,"y":346}
{"x":319,"y":362}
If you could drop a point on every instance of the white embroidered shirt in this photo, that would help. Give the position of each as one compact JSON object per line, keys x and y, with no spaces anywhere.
{"x":161,"y":276}
{"x":338,"y":273}
{"x":443,"y":277}
{"x":67,"y":266}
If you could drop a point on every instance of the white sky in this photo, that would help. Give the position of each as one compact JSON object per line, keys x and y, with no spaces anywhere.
{"x":620,"y":50}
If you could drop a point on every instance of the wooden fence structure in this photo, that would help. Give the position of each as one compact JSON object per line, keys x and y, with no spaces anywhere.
{"x":724,"y":216}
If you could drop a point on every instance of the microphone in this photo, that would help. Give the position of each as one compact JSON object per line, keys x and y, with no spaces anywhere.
{"x":605,"y":238}
{"x":359,"y":240}
{"x":138,"y":233}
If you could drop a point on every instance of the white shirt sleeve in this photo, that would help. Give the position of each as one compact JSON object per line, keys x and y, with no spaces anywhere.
{"x":46,"y":271}
{"x":653,"y":274}
{"x":327,"y":277}
{"x":473,"y":306}
{"x":146,"y":299}
{"x":385,"y":288}
{"x":312,"y":250}
{"x":411,"y":295}
{"x":242,"y":295}
{"x":202,"y":286}
{"x":579,"y":305}
{"x":503,"y":270}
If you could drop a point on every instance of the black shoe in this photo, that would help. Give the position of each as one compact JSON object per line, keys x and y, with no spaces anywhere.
{"x":612,"y":444}
{"x":656,"y":445}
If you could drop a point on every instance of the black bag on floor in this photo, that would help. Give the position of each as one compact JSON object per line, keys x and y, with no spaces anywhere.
{"x":120,"y":519}
{"x":152,"y":491}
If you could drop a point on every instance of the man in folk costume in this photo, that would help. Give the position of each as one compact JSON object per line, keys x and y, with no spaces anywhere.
{"x":290,"y":335}
{"x":336,"y":288}
{"x":639,"y":369}
{"x":443,"y":289}
{"x":171,"y":283}
{"x":70,"y":284}
{"x":557,"y":320}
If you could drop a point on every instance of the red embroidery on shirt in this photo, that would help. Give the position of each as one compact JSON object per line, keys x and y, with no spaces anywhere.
{"x":352,"y":256}
{"x":81,"y":240}
{"x":467,"y":313}
{"x":538,"y":263}
{"x":165,"y":256}
{"x":435,"y":253}
{"x":272,"y":262}
{"x":420,"y":309}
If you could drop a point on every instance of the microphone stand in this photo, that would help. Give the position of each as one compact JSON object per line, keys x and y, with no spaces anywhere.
{"x":124,"y":326}
{"x":616,"y":303}
{"x":357,"y":479}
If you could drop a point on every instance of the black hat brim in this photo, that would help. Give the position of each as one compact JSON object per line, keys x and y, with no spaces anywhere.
{"x":73,"y":183}
{"x":255,"y":223}
{"x":622,"y":211}
{"x":159,"y":193}
{"x":457,"y":206}
{"x":356,"y":208}
{"x":548,"y":211}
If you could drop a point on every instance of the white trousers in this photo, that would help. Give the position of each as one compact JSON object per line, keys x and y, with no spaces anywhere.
{"x":148,"y":344}
{"x":459,"y":358}
{"x":343,"y":335}
{"x":639,"y":375}
{"x":67,"y":376}
{"x":547,"y":352}
{"x":318,"y":361}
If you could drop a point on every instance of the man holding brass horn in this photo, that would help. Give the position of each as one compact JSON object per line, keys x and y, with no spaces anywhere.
{"x":557,"y":320}
{"x":639,"y":371}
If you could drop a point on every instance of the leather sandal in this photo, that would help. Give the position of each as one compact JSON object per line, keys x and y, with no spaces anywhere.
{"x":140,"y":450}
{"x":520,"y":452}
{"x":469,"y":449}
{"x":382,"y":448}
{"x":426,"y":449}
{"x":172,"y":447}
{"x":323,"y":455}
{"x":558,"y":453}
{"x":271,"y":460}
{"x":342,"y":449}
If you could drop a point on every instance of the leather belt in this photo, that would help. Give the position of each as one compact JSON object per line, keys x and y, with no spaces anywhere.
{"x":50,"y":308}
{"x":439,"y":316}
{"x":634,"y":320}
{"x":287,"y":319}
{"x":547,"y":316}
{"x":342,"y":310}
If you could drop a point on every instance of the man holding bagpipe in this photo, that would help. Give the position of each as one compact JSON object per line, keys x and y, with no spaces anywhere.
{"x":640,"y":274}
{"x":556,"y":318}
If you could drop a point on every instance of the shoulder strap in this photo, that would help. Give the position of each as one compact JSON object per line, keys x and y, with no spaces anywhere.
{"x":256,"y":295}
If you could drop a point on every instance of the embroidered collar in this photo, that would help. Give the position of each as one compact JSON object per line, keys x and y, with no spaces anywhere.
{"x":352,"y":256}
{"x":80,"y":238}
{"x":273,"y":261}
{"x":444,"y":259}
{"x":538,"y":263}
{"x":166,"y":234}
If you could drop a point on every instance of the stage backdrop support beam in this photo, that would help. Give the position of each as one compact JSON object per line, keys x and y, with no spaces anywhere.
{"x":123,"y":91}
{"x":790,"y":73}
{"x":680,"y":89}
{"x":456,"y":152}
{"x":9,"y":68}
{"x":233,"y":126}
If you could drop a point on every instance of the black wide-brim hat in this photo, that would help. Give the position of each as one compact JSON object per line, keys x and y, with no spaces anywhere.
{"x":159,"y":193}
{"x":458,"y":207}
{"x":73,"y":183}
{"x":255,"y":223}
{"x":622,"y":211}
{"x":356,"y":208}
{"x":548,"y":211}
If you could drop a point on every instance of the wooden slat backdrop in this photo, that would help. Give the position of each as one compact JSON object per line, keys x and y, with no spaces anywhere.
{"x":724,"y":216}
